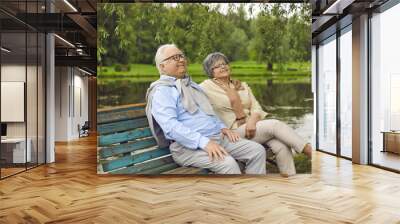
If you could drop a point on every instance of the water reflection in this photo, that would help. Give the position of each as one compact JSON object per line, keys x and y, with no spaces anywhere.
{"x":290,"y":102}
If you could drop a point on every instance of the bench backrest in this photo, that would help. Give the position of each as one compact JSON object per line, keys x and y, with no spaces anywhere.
{"x":126,"y":145}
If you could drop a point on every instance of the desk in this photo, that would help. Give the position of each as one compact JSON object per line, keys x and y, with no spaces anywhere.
{"x":391,"y":141}
{"x":16,"y":147}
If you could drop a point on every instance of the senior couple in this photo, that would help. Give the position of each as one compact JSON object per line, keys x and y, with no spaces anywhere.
{"x":218,"y":123}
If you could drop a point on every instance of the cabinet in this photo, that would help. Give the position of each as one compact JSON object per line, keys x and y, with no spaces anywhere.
{"x":391,"y":141}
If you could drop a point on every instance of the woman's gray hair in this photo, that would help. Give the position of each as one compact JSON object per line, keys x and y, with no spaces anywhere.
{"x":160,"y":54}
{"x":210,"y":60}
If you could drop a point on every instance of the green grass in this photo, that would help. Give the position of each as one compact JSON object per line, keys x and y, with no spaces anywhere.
{"x":301,"y":162}
{"x":247,"y":69}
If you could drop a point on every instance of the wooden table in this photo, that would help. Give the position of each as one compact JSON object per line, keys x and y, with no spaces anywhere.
{"x":14,"y":151}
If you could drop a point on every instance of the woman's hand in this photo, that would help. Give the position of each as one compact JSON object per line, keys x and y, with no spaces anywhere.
{"x":251,"y":125}
{"x":241,"y":121}
{"x":232,"y":136}
{"x":251,"y":129}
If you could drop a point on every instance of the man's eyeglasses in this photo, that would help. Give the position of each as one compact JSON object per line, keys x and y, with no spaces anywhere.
{"x":220,"y":66}
{"x":176,"y":57}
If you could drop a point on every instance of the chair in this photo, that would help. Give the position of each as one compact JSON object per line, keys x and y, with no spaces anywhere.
{"x":84,"y":130}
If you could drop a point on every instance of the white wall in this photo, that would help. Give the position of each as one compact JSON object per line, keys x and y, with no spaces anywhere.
{"x":33,"y":126}
{"x":81,"y":101}
{"x":12,"y":73}
{"x":71,"y":94}
{"x":61,"y":103}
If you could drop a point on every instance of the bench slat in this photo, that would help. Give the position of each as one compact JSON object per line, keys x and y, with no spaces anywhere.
{"x":139,"y":106}
{"x":133,"y":159}
{"x":119,"y":116}
{"x":105,"y":140}
{"x":124,"y":148}
{"x":145,"y":166}
{"x":119,"y":126}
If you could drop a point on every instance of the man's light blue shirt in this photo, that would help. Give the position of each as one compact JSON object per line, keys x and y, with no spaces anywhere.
{"x":190,"y":130}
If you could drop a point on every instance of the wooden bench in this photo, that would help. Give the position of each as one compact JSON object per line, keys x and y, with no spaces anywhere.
{"x":126,"y":145}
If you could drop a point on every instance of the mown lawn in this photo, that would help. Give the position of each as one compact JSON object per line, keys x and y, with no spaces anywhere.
{"x":248,"y":70}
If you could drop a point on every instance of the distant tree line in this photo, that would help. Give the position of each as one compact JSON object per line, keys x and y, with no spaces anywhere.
{"x":131,"y":33}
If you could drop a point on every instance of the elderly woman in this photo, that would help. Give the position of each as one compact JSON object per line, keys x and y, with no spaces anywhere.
{"x":235,"y":104}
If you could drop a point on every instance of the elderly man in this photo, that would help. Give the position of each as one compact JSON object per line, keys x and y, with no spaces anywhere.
{"x":180,"y":114}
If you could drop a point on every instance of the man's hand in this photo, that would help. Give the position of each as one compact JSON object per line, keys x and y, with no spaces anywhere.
{"x":250,"y":130}
{"x":215,"y":151}
{"x":232,"y":136}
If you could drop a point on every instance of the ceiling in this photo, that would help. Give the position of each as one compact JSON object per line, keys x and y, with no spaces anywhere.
{"x":74,"y":22}
{"x":330,"y":15}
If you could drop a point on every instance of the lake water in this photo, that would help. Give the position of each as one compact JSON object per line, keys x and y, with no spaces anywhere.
{"x":291,"y":102}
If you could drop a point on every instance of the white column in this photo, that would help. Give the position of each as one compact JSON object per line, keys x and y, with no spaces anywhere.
{"x":50,"y":101}
{"x":360,"y":90}
{"x":50,"y":92}
{"x":314,"y":91}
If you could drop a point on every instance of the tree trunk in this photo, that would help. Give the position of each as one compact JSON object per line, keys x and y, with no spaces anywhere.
{"x":269,"y":66}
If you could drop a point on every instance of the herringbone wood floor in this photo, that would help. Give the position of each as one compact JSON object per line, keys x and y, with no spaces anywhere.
{"x":70,"y":191}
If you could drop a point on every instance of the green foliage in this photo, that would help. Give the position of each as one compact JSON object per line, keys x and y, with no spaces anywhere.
{"x":302,"y":163}
{"x":131,"y":33}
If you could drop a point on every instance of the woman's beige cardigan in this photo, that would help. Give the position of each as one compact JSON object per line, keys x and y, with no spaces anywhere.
{"x":222,"y":107}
